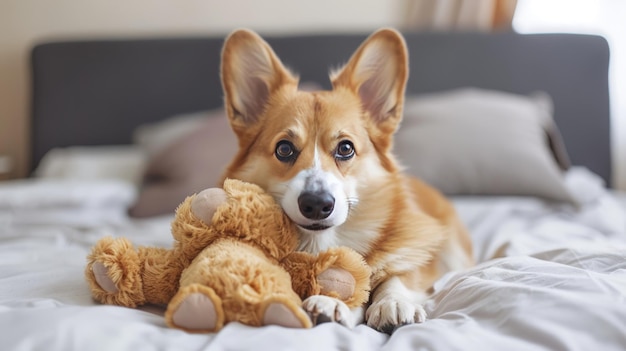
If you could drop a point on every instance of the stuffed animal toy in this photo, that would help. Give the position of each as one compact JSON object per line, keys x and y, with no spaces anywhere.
{"x":233,"y":259}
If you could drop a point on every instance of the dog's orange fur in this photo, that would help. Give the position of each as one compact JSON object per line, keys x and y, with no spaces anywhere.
{"x":417,"y":235}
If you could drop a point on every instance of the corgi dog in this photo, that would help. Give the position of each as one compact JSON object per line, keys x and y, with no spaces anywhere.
{"x":326,"y":157}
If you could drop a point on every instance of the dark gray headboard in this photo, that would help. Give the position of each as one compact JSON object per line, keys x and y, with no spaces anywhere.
{"x":97,"y":92}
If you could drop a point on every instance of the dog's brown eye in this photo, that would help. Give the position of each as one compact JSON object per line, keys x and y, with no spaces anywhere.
{"x":285,"y":151}
{"x":345,"y":150}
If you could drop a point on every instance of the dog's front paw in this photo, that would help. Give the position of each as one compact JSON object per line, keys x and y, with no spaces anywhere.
{"x":324,"y":309}
{"x":387,"y":314}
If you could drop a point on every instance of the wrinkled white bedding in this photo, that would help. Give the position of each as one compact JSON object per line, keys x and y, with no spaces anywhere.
{"x":559,"y":284}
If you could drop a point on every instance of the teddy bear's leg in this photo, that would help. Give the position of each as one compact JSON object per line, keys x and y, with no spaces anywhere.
{"x":114,"y":274}
{"x":195,"y":308}
{"x":284,"y":312}
{"x":119,"y":274}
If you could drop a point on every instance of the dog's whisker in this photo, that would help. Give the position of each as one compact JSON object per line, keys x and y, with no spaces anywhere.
{"x":278,"y":196}
{"x":352,"y":202}
{"x":278,"y":191}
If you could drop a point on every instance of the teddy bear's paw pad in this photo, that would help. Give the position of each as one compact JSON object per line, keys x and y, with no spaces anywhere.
{"x":205,"y":204}
{"x":277,"y":313}
{"x":196,"y":312}
{"x":101,"y":274}
{"x":336,"y":281}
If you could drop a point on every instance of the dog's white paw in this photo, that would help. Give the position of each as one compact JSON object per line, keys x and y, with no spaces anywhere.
{"x":387,"y":314}
{"x":324,"y":309}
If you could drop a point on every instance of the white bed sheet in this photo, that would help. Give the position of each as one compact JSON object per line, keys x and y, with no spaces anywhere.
{"x":560,"y":285}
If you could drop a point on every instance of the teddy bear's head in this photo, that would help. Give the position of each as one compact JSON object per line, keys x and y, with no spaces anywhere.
{"x":246,"y":212}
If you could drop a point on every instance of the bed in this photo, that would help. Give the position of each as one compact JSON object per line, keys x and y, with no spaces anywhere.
{"x":518,"y":125}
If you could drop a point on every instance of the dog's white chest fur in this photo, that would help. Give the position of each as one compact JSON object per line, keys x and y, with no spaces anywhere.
{"x":357,"y":237}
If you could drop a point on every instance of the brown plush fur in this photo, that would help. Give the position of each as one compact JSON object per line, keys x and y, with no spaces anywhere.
{"x":242,"y":261}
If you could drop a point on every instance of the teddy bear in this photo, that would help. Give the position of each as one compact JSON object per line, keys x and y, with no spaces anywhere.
{"x":234,"y":258}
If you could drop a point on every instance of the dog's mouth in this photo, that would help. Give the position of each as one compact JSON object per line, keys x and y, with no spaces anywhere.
{"x":315,"y":227}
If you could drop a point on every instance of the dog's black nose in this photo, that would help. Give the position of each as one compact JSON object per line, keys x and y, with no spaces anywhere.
{"x":316,"y":205}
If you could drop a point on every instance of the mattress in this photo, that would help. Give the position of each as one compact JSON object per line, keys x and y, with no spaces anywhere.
{"x":549,"y":277}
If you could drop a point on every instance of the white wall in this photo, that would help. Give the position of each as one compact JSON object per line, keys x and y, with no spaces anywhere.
{"x":604,"y":17}
{"x":24,"y":22}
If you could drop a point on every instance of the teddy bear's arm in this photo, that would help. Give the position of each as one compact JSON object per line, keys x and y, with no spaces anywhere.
{"x":338,"y":272}
{"x":191,"y":226}
{"x":303,"y":271}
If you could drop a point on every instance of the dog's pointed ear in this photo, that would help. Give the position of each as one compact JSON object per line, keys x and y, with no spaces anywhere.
{"x":251,"y":71}
{"x":378,"y":72}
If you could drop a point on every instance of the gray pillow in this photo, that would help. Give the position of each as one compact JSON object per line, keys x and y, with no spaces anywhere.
{"x":190,"y":161}
{"x":479,"y":142}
